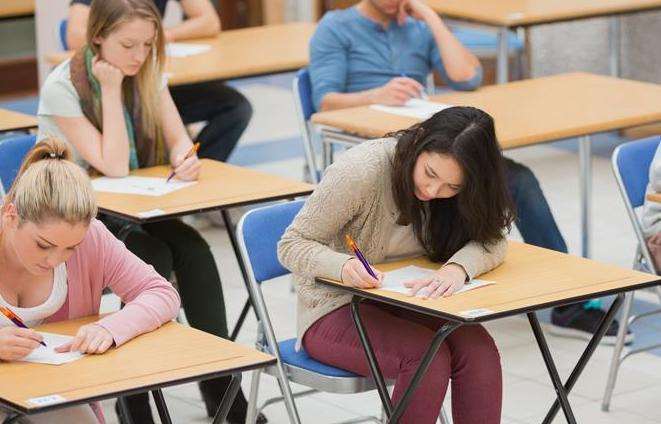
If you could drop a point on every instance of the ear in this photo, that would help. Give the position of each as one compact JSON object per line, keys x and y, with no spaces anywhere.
{"x":9,"y":214}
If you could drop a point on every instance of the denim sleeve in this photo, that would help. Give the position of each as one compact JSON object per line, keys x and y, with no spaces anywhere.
{"x":328,"y":63}
{"x":437,"y":63}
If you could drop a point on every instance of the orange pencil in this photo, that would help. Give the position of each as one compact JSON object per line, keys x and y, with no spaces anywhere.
{"x":190,"y":153}
{"x":15,"y":319}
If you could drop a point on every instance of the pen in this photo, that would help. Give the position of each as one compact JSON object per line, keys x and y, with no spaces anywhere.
{"x":423,"y":95}
{"x":190,"y":153}
{"x":352,"y":245}
{"x":15,"y":319}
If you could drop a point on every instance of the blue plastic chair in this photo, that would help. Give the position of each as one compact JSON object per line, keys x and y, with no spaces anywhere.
{"x":258,"y":233}
{"x":302,"y":89}
{"x":12,"y":152}
{"x":62,"y":31}
{"x":631,"y":163}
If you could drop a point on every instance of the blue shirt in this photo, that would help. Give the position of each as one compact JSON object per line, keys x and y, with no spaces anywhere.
{"x":351,"y":53}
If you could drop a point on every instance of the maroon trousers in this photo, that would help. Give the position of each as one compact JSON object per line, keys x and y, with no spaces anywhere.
{"x":468,"y":357}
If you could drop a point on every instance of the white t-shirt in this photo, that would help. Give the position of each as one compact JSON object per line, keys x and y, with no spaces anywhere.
{"x":37,"y":314}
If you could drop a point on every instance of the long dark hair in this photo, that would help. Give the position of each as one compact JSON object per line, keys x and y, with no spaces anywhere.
{"x":483,"y":207}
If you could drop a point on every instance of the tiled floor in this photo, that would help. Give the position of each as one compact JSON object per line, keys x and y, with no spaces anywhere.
{"x":271,"y":144}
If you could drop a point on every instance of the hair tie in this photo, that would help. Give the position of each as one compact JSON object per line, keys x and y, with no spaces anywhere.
{"x":52,"y":155}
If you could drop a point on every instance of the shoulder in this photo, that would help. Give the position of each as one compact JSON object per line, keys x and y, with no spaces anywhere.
{"x":58,"y":87}
{"x":366,"y":163}
{"x":333,"y":22}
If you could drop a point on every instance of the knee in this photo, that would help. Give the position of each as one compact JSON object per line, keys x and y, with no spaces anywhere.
{"x":477,"y":348}
{"x":243,"y":109}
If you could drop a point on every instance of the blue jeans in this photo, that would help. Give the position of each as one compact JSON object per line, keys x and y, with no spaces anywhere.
{"x":534,"y":218}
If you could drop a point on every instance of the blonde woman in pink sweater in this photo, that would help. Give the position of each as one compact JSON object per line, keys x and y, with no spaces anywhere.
{"x":55,"y":262}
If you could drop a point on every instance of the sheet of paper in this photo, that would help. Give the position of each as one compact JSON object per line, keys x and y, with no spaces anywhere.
{"x":47,"y":355}
{"x":394,"y":280}
{"x":185,"y":49}
{"x":414,"y":108}
{"x":144,"y":186}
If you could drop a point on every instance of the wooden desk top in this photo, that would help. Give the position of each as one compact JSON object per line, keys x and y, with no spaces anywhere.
{"x":16,"y":8}
{"x":173,"y":354}
{"x":220,"y":186}
{"x":14,"y":121}
{"x":530,"y":111}
{"x":531,"y":278}
{"x":238,"y":53}
{"x":514,"y":13}
{"x":654,"y":197}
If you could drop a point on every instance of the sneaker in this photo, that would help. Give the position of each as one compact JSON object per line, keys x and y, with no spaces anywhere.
{"x":580,"y":323}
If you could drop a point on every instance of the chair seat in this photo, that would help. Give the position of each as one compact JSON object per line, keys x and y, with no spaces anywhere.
{"x":301,"y":359}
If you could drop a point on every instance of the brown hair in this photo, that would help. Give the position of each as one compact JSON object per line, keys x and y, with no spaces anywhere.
{"x":105,"y":16}
{"x":49,"y":185}
{"x":482,"y":209}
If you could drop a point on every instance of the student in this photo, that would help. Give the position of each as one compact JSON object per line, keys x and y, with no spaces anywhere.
{"x":225,"y":110}
{"x":110,"y":103}
{"x":437,"y":188}
{"x":381,"y":51}
{"x":651,"y":220}
{"x":56,"y":259}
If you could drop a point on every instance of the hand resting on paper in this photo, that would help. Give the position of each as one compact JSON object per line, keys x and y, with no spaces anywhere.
{"x":17,"y":343}
{"x":355,"y":275}
{"x":91,"y":338}
{"x":443,"y":282}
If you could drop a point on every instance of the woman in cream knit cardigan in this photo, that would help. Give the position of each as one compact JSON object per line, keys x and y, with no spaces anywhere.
{"x":437,"y":189}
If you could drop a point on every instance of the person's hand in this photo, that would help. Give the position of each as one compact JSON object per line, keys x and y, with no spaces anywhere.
{"x":416,"y":9}
{"x":109,"y":76}
{"x":397,"y":91}
{"x":443,"y":282}
{"x":186,"y":169}
{"x":16,"y":343}
{"x":91,"y":338}
{"x":355,"y":275}
{"x":167,"y":36}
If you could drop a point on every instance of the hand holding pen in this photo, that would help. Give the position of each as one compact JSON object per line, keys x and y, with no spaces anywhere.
{"x":17,"y":342}
{"x":186,"y":167}
{"x":357,"y":272}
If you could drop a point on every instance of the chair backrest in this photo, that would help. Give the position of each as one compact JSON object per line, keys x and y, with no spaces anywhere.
{"x":12,"y":152}
{"x":259,"y":232}
{"x":302,"y":89}
{"x":631,"y":163}
{"x":62,"y":32}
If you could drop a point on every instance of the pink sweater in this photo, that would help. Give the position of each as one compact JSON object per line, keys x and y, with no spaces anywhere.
{"x":102,"y":261}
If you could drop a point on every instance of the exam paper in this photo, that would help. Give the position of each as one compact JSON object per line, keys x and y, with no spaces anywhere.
{"x":394,"y":280}
{"x":47,"y":355}
{"x":185,"y":49}
{"x":144,"y":186}
{"x":414,"y":108}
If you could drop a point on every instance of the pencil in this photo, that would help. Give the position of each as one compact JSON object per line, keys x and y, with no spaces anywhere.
{"x":194,"y":148}
{"x":15,"y":319}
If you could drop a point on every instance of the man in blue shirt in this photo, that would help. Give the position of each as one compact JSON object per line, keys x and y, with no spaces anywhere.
{"x":381,"y":52}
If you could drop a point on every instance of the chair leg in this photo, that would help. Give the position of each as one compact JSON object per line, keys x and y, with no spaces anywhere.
{"x":285,"y":389}
{"x":251,"y":416}
{"x":616,"y":361}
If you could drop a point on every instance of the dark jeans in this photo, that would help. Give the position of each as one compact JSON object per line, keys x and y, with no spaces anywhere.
{"x":174,"y":247}
{"x":534,"y":218}
{"x":226,"y":111}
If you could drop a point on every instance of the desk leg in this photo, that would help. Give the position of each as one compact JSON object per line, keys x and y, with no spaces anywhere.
{"x":228,"y":399}
{"x":585,"y":159}
{"x":587,"y":353}
{"x":12,"y":419}
{"x":327,"y":153}
{"x":162,"y":408}
{"x":614,"y":45}
{"x":395,"y":414}
{"x":502,"y":61}
{"x":235,"y":246}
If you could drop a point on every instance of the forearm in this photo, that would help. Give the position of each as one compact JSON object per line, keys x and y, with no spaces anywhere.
{"x":460,"y":64}
{"x":114,"y":139}
{"x":198,"y":27}
{"x":332,"y":101}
